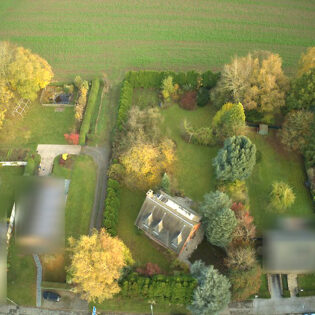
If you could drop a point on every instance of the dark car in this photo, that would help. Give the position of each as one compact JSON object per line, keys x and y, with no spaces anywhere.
{"x":51,"y":296}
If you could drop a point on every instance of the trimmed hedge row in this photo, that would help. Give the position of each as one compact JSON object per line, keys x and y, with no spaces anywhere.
{"x":112,"y":204}
{"x":153,"y":79}
{"x":90,"y":108}
{"x":33,"y":161}
{"x":173,"y":289}
{"x":125,"y":102}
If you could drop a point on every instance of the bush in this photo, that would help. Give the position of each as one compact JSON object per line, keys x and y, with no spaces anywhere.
{"x":33,"y":161}
{"x":282,"y":196}
{"x":203,"y":97}
{"x":172,"y":289}
{"x":112,"y":204}
{"x":90,"y":108}
{"x":210,"y":79}
{"x":188,"y":100}
{"x":150,"y":269}
{"x":202,"y":136}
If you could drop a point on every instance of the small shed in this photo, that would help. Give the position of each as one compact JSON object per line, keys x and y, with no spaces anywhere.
{"x":263,"y":129}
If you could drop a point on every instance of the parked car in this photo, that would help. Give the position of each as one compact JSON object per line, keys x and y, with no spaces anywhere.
{"x":51,"y":296}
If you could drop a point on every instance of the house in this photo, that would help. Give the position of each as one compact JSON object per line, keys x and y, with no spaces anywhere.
{"x":170,"y":222}
{"x":40,"y":212}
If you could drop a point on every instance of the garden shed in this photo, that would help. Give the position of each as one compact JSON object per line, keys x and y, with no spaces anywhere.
{"x":169,"y":222}
{"x":263,"y":129}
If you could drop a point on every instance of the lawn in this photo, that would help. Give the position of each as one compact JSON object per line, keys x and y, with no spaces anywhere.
{"x":9,"y":176}
{"x":276,"y":164}
{"x":39,"y":125}
{"x":139,"y":305}
{"x":193,"y":171}
{"x":87,"y":38}
{"x":21,"y":282}
{"x":142,"y":248}
{"x":307,"y":283}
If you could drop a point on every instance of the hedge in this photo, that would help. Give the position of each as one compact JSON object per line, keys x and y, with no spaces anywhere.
{"x":125,"y":102}
{"x":90,"y":108}
{"x":33,"y":161}
{"x":173,"y":289}
{"x":112,"y":204}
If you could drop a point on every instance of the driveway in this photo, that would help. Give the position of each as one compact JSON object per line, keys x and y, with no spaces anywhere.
{"x":101,"y":156}
{"x":48,"y":152}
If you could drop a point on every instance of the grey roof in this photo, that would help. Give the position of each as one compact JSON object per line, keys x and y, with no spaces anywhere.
{"x":166,"y":220}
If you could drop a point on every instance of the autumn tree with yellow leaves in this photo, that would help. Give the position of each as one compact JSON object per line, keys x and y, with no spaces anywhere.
{"x":145,"y":163}
{"x":22,"y":75}
{"x":97,"y":262}
{"x":307,"y":61}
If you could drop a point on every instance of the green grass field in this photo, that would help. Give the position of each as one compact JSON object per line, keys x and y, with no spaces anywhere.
{"x":9,"y":176}
{"x":39,"y":125}
{"x":276,"y":165}
{"x":90,"y":37}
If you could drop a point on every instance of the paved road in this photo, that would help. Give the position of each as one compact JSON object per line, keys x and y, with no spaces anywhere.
{"x":101,"y":156}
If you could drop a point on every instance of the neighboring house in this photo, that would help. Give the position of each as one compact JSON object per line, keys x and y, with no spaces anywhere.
{"x":39,"y":222}
{"x":170,"y":222}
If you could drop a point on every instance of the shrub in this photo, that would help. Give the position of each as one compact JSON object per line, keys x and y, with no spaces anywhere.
{"x":172,"y":289}
{"x":85,"y":127}
{"x":168,"y":88}
{"x":241,"y":258}
{"x":33,"y":161}
{"x":72,"y":138}
{"x":202,"y":136}
{"x":282,"y":196}
{"x":77,"y":81}
{"x":188,"y":100}
{"x":81,"y":101}
{"x":203,"y":97}
{"x":125,"y":103}
{"x":245,"y":283}
{"x":150,"y":269}
{"x":210,"y":79}
{"x":112,"y":204}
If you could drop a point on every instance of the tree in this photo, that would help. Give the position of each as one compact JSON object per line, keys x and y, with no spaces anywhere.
{"x":213,"y":202}
{"x":302,"y":93}
{"x":296,"y":130}
{"x":27,"y":73}
{"x":282,"y":196}
{"x":236,"y":159}
{"x":241,"y":258}
{"x":212,"y":293}
{"x":165,"y":184}
{"x":245,"y":283}
{"x":307,"y":61}
{"x":168,"y":88}
{"x":229,"y":120}
{"x":245,"y":230}
{"x":219,"y":221}
{"x":257,"y":81}
{"x":220,"y":229}
{"x":145,"y":163}
{"x":96,"y":265}
{"x":22,"y":75}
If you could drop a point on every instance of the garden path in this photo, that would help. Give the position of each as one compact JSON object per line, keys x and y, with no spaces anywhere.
{"x":48,"y":152}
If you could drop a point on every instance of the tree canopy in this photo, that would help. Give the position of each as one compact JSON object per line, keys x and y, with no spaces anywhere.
{"x":212,"y":293}
{"x":297,"y":130}
{"x":236,"y":159}
{"x":22,"y":75}
{"x":96,"y":265}
{"x":307,"y":61}
{"x":229,"y":120}
{"x":302,"y":93}
{"x":218,"y":219}
{"x":256,"y":80}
